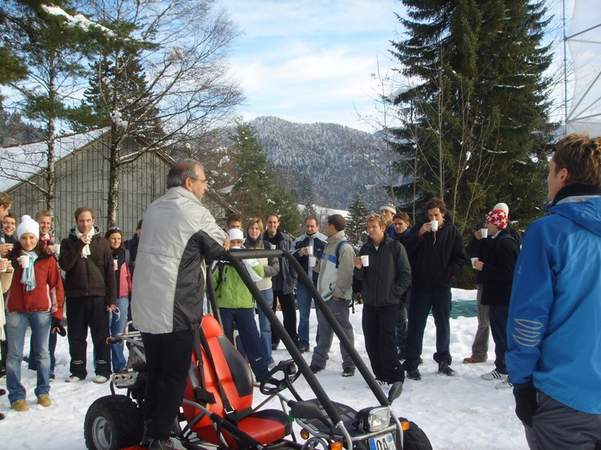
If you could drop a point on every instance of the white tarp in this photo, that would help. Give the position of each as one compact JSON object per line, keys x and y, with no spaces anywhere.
{"x":584,"y":105}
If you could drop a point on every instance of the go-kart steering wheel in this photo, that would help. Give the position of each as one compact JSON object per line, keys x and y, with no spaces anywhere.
{"x":272,"y":385}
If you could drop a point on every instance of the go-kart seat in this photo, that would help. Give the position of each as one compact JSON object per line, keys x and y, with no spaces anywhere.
{"x":265,"y":426}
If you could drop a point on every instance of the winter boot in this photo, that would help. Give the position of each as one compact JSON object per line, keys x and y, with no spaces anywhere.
{"x":413,"y":374}
{"x":445,"y":369}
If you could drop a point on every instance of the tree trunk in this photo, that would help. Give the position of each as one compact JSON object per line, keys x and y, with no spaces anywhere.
{"x":114,"y":169}
{"x":51,"y":151}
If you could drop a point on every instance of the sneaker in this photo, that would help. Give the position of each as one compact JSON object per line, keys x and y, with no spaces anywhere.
{"x":20,"y":405}
{"x":474,"y":359}
{"x":505,"y":384}
{"x":414,"y":374}
{"x":445,"y":369}
{"x":73,"y":379}
{"x":494,"y":375}
{"x":315,"y":369}
{"x":348,"y":372}
{"x":271,"y":365}
{"x":99,"y":379}
{"x":161,"y":444}
{"x":44,"y":400}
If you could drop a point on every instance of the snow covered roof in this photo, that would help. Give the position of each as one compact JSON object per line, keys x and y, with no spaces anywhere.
{"x":20,"y":162}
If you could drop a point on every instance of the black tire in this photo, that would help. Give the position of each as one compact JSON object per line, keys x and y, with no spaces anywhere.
{"x":113,"y":422}
{"x":415,"y":438}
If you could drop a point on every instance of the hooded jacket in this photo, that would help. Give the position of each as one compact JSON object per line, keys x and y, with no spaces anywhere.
{"x":168,"y":287}
{"x":499,"y":255}
{"x":336,"y":282}
{"x":93,"y":276}
{"x":388,"y":276}
{"x":555,"y":308}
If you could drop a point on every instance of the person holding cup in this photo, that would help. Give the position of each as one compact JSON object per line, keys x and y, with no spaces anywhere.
{"x":436,"y":252}
{"x":36,"y":273}
{"x":309,"y":248}
{"x":118,"y":316}
{"x":385,"y":274}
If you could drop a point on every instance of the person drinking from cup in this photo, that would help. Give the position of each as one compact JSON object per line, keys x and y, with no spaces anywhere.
{"x":28,"y":306}
{"x":87,"y":261}
{"x":436,"y":252}
{"x":308,"y":249}
{"x":385,"y":274}
{"x":118,"y":316}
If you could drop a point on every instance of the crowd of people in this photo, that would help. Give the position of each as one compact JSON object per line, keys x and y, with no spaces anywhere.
{"x":539,"y":298}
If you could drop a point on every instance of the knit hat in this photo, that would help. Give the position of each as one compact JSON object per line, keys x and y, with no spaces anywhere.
{"x":502,"y":207}
{"x":28,"y":225}
{"x":235,"y":234}
{"x":388,"y":207}
{"x":497,"y":217}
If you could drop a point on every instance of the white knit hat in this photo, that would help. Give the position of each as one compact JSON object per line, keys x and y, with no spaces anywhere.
{"x":235,"y":234}
{"x":28,"y":225}
{"x":502,"y":207}
{"x":388,"y":207}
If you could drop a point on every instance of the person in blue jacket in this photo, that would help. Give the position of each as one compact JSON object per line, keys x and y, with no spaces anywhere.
{"x":554,"y":345}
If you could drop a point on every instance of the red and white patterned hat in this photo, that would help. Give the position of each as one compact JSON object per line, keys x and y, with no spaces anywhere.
{"x":497,"y":217}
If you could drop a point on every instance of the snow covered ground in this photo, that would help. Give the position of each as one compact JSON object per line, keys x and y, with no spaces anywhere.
{"x":459,"y":413}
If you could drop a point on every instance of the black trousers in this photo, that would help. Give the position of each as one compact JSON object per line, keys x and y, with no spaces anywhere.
{"x":84,"y":313}
{"x":498,"y":326}
{"x":3,"y":352}
{"x":168,"y":359}
{"x":289,"y":311}
{"x":401,"y":330}
{"x":437,"y":299}
{"x":379,"y":330}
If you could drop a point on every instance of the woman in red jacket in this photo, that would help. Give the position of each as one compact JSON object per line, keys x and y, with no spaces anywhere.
{"x":29,"y":305}
{"x":118,"y":317}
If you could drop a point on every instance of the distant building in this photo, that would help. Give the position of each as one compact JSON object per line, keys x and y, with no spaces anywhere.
{"x":82,"y":179}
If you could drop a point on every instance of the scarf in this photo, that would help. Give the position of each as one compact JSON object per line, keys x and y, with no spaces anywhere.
{"x":28,"y":275}
{"x":85,"y":251}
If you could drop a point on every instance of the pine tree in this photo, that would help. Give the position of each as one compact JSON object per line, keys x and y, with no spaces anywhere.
{"x":255,"y":193}
{"x":356,"y":225}
{"x":477,"y":117}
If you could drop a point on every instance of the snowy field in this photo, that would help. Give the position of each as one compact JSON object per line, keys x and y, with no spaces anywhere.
{"x":462,"y":412}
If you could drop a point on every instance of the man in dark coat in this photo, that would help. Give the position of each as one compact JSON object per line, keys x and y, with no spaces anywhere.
{"x":384,"y":280}
{"x":497,"y":261}
{"x":437,"y":255}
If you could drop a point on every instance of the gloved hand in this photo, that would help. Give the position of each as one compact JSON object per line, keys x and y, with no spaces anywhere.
{"x":525,"y":402}
{"x":57,"y":327}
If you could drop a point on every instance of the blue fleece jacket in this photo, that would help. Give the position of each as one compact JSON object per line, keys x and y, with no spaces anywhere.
{"x":554,"y":325}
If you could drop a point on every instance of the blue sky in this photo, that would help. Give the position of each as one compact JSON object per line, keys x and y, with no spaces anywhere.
{"x":312,"y":61}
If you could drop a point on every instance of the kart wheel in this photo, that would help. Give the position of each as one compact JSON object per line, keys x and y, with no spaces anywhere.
{"x":112,"y":422}
{"x":415,"y":438}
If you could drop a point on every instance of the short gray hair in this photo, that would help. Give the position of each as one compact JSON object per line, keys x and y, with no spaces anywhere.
{"x":181,"y":170}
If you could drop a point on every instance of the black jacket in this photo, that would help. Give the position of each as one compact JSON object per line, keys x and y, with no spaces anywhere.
{"x":435,"y":257}
{"x":499,"y":256}
{"x":388,"y":276}
{"x":93,"y":276}
{"x":285,"y":280}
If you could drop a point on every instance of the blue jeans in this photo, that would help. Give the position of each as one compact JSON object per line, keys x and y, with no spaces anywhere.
{"x":117,"y":323}
{"x":51,"y":348}
{"x":303,"y":299}
{"x":16,"y":326}
{"x":265,"y":325}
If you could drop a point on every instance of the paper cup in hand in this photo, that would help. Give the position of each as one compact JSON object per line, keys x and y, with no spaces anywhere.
{"x":57,"y":249}
{"x":115,"y":264}
{"x":365,"y":260}
{"x":434,"y":225}
{"x":312,"y":261}
{"x":474,"y":261}
{"x":3,"y":264}
{"x":310,"y":250}
{"x":23,"y":261}
{"x":484,"y":233}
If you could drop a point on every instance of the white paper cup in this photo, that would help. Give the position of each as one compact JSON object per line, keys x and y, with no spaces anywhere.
{"x":312,"y":261}
{"x":434,"y":224}
{"x":310,"y":250}
{"x":115,"y":264}
{"x":57,"y":249}
{"x":474,"y":261}
{"x":2,"y":262}
{"x":23,"y":260}
{"x":365,"y":260}
{"x":484,"y":233}
{"x":272,"y":246}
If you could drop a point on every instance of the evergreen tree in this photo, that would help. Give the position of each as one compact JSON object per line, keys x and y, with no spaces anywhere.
{"x":476,"y":121}
{"x":254,"y":192}
{"x":356,"y":225}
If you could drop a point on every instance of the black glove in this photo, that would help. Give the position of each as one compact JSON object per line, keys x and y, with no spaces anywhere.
{"x":525,"y":402}
{"x":57,"y":327}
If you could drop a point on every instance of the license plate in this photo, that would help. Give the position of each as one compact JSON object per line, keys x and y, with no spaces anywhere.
{"x":383,"y":442}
